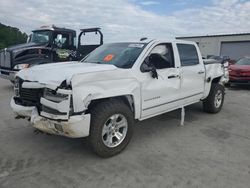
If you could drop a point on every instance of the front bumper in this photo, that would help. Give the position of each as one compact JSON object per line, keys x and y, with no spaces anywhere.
{"x":76,"y":126}
{"x":7,"y":74}
{"x":239,"y":82}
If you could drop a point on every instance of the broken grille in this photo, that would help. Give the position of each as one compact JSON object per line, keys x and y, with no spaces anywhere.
{"x":30,"y":94}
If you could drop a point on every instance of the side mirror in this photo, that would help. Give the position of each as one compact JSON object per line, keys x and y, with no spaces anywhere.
{"x":149,"y":67}
{"x":29,"y":38}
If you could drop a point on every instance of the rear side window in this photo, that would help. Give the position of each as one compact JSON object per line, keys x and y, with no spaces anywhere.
{"x":188,"y":54}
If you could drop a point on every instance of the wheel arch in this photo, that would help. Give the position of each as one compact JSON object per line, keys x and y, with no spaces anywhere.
{"x":208,"y":85}
{"x":216,"y":80}
{"x":129,"y":100}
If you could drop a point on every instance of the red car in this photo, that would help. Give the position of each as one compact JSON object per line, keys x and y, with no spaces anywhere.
{"x":239,"y":73}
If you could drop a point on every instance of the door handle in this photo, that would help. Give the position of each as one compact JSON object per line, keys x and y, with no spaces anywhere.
{"x":173,"y":76}
{"x":201,"y":72}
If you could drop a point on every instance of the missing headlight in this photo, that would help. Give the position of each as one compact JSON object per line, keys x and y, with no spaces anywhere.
{"x":54,"y":96}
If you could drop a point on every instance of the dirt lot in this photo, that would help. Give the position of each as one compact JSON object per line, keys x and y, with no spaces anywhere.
{"x":209,"y":151}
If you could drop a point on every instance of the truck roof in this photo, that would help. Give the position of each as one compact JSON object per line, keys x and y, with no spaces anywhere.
{"x":91,"y":29}
{"x":157,"y":41}
{"x":153,"y":41}
{"x":54,"y":28}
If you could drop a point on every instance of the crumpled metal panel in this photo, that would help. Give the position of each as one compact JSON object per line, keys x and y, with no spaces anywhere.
{"x":55,"y":73}
{"x":212,"y":71}
{"x":112,"y":83}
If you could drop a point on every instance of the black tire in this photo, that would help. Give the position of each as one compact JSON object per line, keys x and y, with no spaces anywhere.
{"x":100,"y":113}
{"x":227,"y":84}
{"x":209,"y":104}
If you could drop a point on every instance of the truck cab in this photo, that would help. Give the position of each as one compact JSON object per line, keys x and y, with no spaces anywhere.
{"x":117,"y":83}
{"x":45,"y":45}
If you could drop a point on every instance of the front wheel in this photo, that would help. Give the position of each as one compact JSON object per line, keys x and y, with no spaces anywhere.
{"x":111,"y":127}
{"x":214,"y":102}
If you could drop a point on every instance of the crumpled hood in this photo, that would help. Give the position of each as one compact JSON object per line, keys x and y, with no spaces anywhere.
{"x":56,"y":73}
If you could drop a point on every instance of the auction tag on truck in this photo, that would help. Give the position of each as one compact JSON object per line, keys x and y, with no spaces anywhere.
{"x":108,"y":58}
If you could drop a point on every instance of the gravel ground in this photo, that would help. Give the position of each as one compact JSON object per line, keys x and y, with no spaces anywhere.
{"x":209,"y":151}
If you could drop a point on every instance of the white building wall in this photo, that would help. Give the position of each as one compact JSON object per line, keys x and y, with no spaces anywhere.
{"x":212,"y":45}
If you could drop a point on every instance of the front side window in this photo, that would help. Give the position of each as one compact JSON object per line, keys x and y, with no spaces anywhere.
{"x":62,"y":40}
{"x":40,"y":36}
{"x":161,"y":56}
{"x":122,"y":55}
{"x":188,"y":54}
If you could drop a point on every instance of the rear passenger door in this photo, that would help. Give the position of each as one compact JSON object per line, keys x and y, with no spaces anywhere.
{"x":192,"y":73}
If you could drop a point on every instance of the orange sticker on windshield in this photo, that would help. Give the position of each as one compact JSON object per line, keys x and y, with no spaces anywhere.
{"x":108,"y":58}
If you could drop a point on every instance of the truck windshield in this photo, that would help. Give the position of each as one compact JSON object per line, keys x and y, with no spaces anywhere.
{"x":40,"y":36}
{"x":122,"y":55}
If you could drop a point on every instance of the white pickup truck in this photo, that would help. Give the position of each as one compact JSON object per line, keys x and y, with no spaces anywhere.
{"x":101,"y":96}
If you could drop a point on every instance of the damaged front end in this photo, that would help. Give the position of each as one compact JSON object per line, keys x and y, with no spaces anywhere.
{"x":49,"y":109}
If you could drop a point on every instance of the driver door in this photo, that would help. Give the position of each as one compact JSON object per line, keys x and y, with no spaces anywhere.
{"x":162,"y":94}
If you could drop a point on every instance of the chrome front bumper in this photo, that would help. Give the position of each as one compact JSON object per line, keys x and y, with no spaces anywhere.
{"x":76,"y":126}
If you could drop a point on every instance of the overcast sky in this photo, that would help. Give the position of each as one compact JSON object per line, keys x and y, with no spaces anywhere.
{"x":123,"y":20}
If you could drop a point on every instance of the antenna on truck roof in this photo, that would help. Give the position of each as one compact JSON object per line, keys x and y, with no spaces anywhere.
{"x":143,"y":38}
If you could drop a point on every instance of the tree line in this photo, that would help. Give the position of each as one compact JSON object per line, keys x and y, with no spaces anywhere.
{"x":11,"y":36}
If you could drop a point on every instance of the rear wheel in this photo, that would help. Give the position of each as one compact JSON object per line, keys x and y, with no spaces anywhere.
{"x":111,"y":127}
{"x":214,"y":102}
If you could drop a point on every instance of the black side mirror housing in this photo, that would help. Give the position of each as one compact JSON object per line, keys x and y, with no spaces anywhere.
{"x":147,"y":66}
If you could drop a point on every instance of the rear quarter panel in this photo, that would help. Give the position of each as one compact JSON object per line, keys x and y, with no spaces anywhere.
{"x":213,"y":71}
